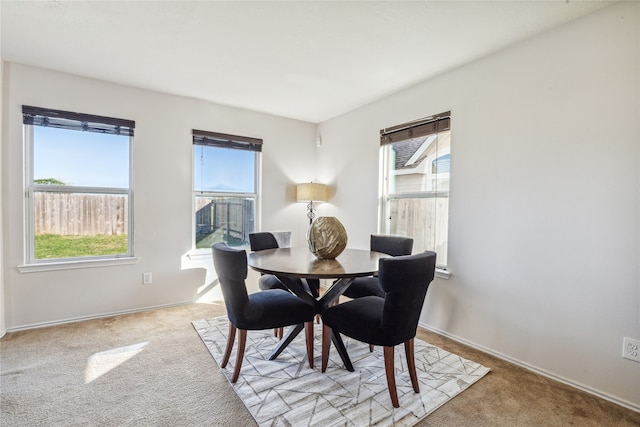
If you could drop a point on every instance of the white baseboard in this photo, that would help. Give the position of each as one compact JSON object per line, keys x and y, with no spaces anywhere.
{"x":590,"y":390}
{"x":91,"y":317}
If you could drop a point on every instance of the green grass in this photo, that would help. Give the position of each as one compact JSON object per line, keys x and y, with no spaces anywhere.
{"x":60,"y":246}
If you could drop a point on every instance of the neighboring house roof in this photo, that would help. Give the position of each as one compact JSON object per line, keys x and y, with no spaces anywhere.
{"x":405,"y":150}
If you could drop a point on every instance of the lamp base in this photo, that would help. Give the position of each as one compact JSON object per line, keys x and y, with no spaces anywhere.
{"x":310,"y":213}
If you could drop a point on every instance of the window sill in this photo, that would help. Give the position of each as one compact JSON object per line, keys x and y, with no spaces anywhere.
{"x":198,"y":254}
{"x":205,"y":253}
{"x":72,"y":265}
{"x":443,"y":274}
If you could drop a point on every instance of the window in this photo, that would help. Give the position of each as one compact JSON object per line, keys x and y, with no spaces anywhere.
{"x":416,"y":160}
{"x":79,"y":192}
{"x":225,"y":188}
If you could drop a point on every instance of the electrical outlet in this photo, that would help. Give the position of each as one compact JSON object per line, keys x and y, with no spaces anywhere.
{"x":146,"y":278}
{"x":631,"y":349}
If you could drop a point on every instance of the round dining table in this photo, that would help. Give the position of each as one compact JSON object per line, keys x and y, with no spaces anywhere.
{"x":291,"y":263}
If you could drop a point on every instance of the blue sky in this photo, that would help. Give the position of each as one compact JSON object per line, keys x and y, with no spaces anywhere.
{"x":223,"y":169}
{"x":86,"y":159}
{"x":91,"y":159}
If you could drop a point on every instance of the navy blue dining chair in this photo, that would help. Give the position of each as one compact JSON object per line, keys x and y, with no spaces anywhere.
{"x":390,"y":245}
{"x":387,"y":321}
{"x":263,"y":240}
{"x":274,"y":308}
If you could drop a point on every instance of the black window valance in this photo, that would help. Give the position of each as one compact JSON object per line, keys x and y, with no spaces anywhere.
{"x":76,"y":121}
{"x":418,"y":128}
{"x":223,"y":140}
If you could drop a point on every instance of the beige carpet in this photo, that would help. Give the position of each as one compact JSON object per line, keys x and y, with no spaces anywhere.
{"x":173,"y":381}
{"x":287,"y":392}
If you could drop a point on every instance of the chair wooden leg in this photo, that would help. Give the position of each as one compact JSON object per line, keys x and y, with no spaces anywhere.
{"x":230,"y":339}
{"x":326,"y":345}
{"x":391,"y":376}
{"x":370,"y":348}
{"x":411,"y":364}
{"x":280,"y":333}
{"x":308,"y":326}
{"x":242,"y":341}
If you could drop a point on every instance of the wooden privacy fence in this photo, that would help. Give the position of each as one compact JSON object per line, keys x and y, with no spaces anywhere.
{"x":80,"y":214}
{"x":232,"y":215}
{"x":424,"y":219}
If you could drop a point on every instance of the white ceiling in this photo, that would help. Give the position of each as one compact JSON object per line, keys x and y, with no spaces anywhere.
{"x":307,"y":60}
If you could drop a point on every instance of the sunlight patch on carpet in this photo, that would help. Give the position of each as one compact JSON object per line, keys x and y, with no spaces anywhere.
{"x":286,"y":391}
{"x":102,"y":362}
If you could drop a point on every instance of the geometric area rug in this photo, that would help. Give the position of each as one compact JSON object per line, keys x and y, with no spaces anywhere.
{"x":286,"y":392}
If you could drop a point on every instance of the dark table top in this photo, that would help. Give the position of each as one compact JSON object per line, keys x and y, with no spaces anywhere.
{"x":300,"y":262}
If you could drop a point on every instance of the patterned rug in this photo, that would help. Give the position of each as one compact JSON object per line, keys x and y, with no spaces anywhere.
{"x":286,"y":392}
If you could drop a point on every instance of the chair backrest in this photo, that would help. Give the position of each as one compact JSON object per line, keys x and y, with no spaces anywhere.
{"x":405,"y":279}
{"x":269,"y":240}
{"x":231,"y":267}
{"x":392,"y":245}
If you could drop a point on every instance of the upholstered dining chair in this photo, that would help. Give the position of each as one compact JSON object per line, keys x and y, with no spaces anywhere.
{"x":266,"y":240}
{"x":274,"y":308}
{"x":390,"y":245}
{"x":387,"y":321}
{"x":262,"y":240}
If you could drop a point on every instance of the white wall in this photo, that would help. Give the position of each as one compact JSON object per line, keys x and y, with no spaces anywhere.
{"x":3,"y":328}
{"x":544,"y":208}
{"x":162,"y":194}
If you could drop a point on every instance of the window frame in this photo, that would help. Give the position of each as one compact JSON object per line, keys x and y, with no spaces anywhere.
{"x":234,"y":142}
{"x":400,"y":133}
{"x":31,"y":263}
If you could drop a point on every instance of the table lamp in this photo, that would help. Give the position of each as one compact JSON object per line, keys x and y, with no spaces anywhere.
{"x":311,"y":193}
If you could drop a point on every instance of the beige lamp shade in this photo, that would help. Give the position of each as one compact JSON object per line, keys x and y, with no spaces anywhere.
{"x":310,"y":192}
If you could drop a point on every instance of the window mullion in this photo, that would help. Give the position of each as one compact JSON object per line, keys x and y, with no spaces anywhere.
{"x":29,"y":246}
{"x":130,"y":229}
{"x":418,"y":195}
{"x":71,"y":189}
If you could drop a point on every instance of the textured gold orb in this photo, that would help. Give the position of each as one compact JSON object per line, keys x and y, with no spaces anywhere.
{"x":327,"y":237}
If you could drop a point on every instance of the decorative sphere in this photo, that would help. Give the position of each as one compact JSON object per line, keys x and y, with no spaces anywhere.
{"x":327,"y":237}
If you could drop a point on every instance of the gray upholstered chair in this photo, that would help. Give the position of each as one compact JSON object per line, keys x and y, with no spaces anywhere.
{"x":274,"y":308}
{"x":390,"y":245}
{"x":387,"y":321}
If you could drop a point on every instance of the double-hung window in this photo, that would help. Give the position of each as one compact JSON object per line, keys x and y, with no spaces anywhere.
{"x":416,"y":160}
{"x":79,"y":186}
{"x":226,"y":171}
